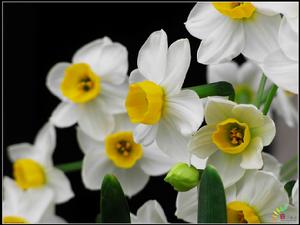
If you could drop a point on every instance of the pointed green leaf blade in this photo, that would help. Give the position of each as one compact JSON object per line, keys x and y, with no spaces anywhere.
{"x":114,"y":206}
{"x":211,"y":198}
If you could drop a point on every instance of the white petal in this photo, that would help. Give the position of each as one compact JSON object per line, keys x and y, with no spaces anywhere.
{"x":152,"y":57}
{"x":249,"y":114}
{"x":34,"y":203}
{"x":50,"y":217}
{"x":249,"y":73}
{"x":285,"y":107}
{"x":11,"y":196}
{"x":185,"y":111}
{"x":64,"y":115}
{"x":171,"y":142}
{"x":187,"y":205}
{"x":201,"y":143}
{"x":222,"y":72}
{"x":266,"y":132}
{"x":271,"y":164}
{"x":90,"y":51}
{"x":179,"y":58}
{"x":123,"y":123}
{"x":218,"y":110}
{"x":282,"y":71}
{"x":245,"y":187}
{"x":295,"y":194}
{"x":198,"y":162}
{"x":261,"y":36}
{"x":113,"y":97}
{"x":151,"y":212}
{"x":94,"y":121}
{"x":95,"y":166}
{"x":21,"y":151}
{"x":230,"y":193}
{"x":154,"y":162}
{"x":112,"y":64}
{"x":203,"y":20}
{"x":289,"y":40}
{"x":223,"y":44}
{"x":228,"y":167}
{"x":268,"y":194}
{"x":251,"y":156}
{"x":60,"y":184}
{"x":271,"y":8}
{"x":88,"y":144}
{"x":136,"y":76}
{"x":132,"y":180}
{"x":294,"y":23}
{"x":55,"y":77}
{"x":145,"y":134}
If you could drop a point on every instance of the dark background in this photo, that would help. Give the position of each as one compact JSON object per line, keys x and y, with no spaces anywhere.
{"x":36,"y":36}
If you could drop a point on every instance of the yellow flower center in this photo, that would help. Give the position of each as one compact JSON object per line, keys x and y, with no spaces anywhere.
{"x":235,"y":10}
{"x":144,"y":102}
{"x":14,"y":219}
{"x":231,"y":136}
{"x":80,"y":83}
{"x":240,"y":212}
{"x":243,"y":94}
{"x":28,"y":173}
{"x":122,"y":150}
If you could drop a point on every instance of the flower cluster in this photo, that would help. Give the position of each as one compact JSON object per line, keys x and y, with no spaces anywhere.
{"x":140,"y":124}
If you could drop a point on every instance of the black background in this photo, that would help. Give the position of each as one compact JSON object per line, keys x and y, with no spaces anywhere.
{"x":36,"y":36}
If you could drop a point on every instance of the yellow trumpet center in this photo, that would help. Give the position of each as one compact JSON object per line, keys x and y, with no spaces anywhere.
{"x":122,"y":150}
{"x":231,"y":136}
{"x":14,"y":220}
{"x":28,"y":173}
{"x":240,"y":212}
{"x":80,"y":83}
{"x":235,"y":10}
{"x":144,"y":102}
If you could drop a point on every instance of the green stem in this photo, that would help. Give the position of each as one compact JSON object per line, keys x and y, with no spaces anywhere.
{"x":289,"y":169}
{"x":70,"y":167}
{"x":269,"y":99}
{"x":221,"y":88}
{"x":260,"y":91}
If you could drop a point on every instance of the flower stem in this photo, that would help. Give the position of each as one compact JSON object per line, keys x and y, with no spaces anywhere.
{"x":260,"y":91}
{"x":269,"y":99}
{"x":70,"y":167}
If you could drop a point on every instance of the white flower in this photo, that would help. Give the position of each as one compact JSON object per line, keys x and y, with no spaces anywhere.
{"x":149,"y":212}
{"x":295,"y":194}
{"x":252,"y":199}
{"x":230,"y":28}
{"x":155,"y":101}
{"x":33,"y":166}
{"x":30,"y":206}
{"x":234,"y":135}
{"x":245,"y":80}
{"x":92,"y":88}
{"x":118,"y":154}
{"x":281,"y":64}
{"x":187,"y":202}
{"x":290,"y":11}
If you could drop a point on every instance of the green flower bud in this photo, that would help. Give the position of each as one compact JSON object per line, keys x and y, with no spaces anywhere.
{"x":183,"y":177}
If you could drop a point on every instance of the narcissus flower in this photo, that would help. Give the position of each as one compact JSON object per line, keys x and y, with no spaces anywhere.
{"x":187,"y":202}
{"x":120,"y":155}
{"x":33,"y":167}
{"x":149,"y":212}
{"x":230,"y":28}
{"x":92,"y":88}
{"x":234,"y":133}
{"x":281,"y":64}
{"x":30,"y":206}
{"x":155,"y":101}
{"x":245,"y":80}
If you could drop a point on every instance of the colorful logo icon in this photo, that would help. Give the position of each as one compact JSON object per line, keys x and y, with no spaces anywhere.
{"x":279,"y":213}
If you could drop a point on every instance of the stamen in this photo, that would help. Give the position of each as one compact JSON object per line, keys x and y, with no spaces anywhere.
{"x":236,"y":136}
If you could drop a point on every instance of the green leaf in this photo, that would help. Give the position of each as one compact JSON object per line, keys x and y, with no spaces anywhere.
{"x":114,"y":206}
{"x":221,"y":88}
{"x":289,"y":169}
{"x":289,"y":187}
{"x":211,"y":198}
{"x":70,"y":167}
